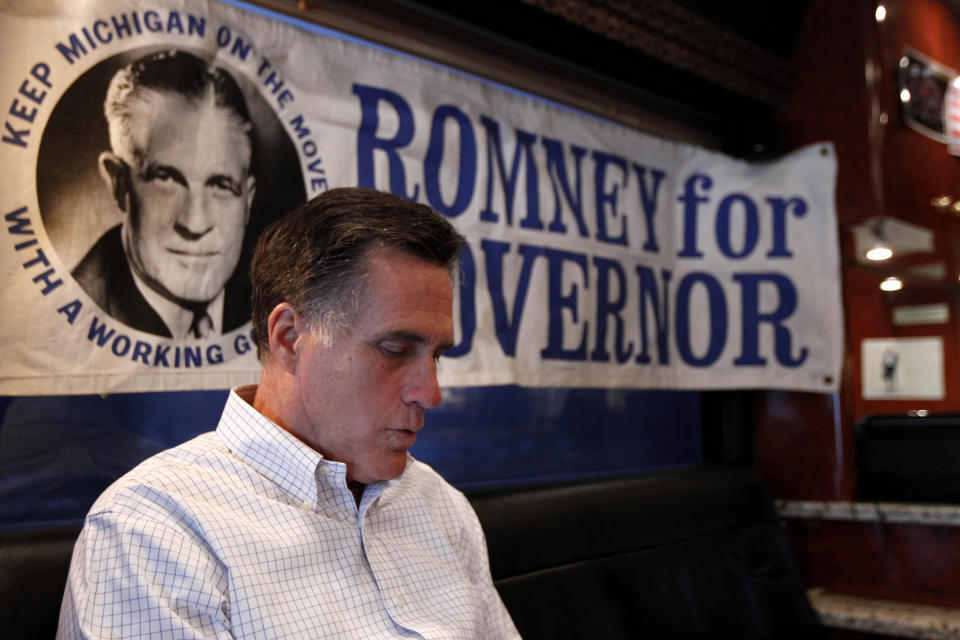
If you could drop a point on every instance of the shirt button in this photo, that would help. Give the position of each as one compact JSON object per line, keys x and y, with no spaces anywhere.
{"x":324,"y":470}
{"x":306,"y":506}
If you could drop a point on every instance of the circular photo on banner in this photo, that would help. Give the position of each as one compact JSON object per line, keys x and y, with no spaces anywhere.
{"x":157,"y":171}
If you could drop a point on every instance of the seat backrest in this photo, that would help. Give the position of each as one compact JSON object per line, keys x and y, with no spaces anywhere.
{"x":33,"y":573}
{"x":696,"y":553}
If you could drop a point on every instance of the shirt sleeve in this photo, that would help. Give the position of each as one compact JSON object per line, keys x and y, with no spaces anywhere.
{"x":132,"y":577}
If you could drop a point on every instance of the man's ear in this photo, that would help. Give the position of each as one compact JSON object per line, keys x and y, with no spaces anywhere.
{"x":251,"y":188}
{"x":286,"y":331}
{"x":116,"y":174}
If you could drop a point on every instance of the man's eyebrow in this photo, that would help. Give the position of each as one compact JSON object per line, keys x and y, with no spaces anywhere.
{"x":151,"y":170}
{"x":222,"y":179}
{"x":404,"y":335}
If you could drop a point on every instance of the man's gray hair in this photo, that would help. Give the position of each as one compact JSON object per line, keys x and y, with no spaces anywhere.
{"x":314,"y":258}
{"x":172,"y":71}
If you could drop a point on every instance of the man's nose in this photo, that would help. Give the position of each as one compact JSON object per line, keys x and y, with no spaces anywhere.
{"x":193,"y":221}
{"x":422,"y":386}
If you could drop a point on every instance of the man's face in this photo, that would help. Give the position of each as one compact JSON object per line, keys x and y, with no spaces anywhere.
{"x":363,"y":397}
{"x":190,"y":196}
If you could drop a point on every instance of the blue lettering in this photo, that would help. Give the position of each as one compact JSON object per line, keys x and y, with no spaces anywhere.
{"x":751,"y":225}
{"x":20,"y":222}
{"x":174,"y":22}
{"x":557,"y":170}
{"x":75,"y":51}
{"x":783,"y":343}
{"x":691,"y":200}
{"x":71,"y":309}
{"x":98,"y":27}
{"x":16,"y":136}
{"x":223,"y":36}
{"x":192,"y":356}
{"x":160,"y":355}
{"x":151,"y":20}
{"x":99,"y":333}
{"x":467,"y":176}
{"x":468,"y":308}
{"x":141,"y":351}
{"x":607,"y":200}
{"x":86,"y":34}
{"x":214,"y":354}
{"x":648,"y":200}
{"x":661,"y":313}
{"x":717,"y":319}
{"x":241,"y":344}
{"x":610,"y":308}
{"x":22,"y":111}
{"x":298,"y":129}
{"x":557,"y":302}
{"x":121,"y":24}
{"x":507,"y":327}
{"x":241,"y":50}
{"x":120,"y":345}
{"x":197,"y":26}
{"x":46,"y":277}
{"x":40,"y":71}
{"x":509,"y":181}
{"x":368,"y":142}
{"x":780,"y":207}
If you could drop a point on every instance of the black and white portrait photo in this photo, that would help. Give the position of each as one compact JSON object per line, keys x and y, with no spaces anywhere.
{"x":179,"y":177}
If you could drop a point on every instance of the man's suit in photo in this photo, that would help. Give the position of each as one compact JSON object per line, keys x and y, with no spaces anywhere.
{"x":106,"y":277}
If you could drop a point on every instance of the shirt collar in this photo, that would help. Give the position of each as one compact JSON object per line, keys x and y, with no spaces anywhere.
{"x":279,"y":456}
{"x":272,"y":451}
{"x":178,"y":319}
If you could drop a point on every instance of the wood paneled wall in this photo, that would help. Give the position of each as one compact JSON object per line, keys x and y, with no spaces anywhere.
{"x":805,"y":443}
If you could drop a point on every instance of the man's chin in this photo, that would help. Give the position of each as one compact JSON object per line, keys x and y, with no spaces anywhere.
{"x":191,"y":291}
{"x":388,"y":470}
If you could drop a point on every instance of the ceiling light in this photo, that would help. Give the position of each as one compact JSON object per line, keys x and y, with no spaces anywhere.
{"x":905,"y":95}
{"x":881,"y":13}
{"x":879,"y":252}
{"x":941,"y":201}
{"x":891,"y":284}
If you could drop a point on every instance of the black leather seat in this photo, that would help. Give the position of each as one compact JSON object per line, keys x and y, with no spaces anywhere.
{"x":697,"y":553}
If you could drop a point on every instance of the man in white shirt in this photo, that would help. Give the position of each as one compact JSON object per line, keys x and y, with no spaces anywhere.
{"x":303,"y":515}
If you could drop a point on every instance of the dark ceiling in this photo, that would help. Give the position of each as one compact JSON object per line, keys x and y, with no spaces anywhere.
{"x":727,"y":61}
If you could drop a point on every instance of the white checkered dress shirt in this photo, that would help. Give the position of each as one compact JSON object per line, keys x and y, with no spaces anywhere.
{"x":248,"y":533}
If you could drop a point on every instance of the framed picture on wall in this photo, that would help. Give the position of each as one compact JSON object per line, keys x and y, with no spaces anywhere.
{"x":902,"y":368}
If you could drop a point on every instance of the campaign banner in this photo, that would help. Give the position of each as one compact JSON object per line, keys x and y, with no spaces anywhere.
{"x":145,"y":145}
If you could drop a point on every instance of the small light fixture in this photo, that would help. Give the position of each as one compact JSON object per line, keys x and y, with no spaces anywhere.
{"x":881,"y":249}
{"x":892,"y":283}
{"x":881,"y":13}
{"x":905,"y":95}
{"x":879,"y":252}
{"x":904,"y":62}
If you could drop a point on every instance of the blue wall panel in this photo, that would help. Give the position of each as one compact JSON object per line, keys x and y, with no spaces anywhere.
{"x":58,"y":453}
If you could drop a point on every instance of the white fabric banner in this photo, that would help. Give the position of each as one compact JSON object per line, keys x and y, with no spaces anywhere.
{"x":598,"y":256}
